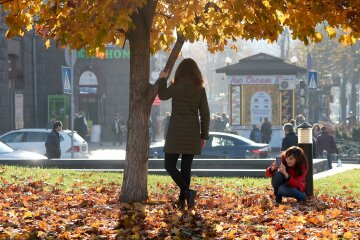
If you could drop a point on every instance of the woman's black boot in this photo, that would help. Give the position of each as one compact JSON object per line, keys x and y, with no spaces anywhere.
{"x":190,"y":197}
{"x":181,"y":203}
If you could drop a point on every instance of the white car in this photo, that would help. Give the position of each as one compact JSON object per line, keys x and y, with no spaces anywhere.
{"x":7,"y":153}
{"x":33,"y":139}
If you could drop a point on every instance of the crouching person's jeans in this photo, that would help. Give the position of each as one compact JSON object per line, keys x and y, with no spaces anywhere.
{"x":282,"y":189}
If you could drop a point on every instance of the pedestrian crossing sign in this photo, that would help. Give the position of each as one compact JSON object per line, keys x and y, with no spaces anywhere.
{"x":66,"y":79}
{"x":312,"y":81}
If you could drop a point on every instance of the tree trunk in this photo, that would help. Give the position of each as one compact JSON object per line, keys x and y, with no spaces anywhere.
{"x":142,"y":94}
{"x":343,"y":98}
{"x":134,"y":186}
{"x":353,"y":96}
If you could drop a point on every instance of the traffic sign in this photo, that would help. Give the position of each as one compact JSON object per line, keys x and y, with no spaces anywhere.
{"x":312,"y":81}
{"x":66,"y":79}
{"x":70,"y":57}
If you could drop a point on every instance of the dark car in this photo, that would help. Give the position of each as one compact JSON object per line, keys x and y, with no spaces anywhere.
{"x":224,"y":145}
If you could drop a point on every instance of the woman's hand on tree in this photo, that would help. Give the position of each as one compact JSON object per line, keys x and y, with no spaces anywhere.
{"x":164,"y":74}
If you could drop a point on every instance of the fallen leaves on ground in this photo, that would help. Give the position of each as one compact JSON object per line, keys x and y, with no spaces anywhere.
{"x":38,"y":210}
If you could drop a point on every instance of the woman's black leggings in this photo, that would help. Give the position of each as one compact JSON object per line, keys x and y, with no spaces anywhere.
{"x":181,"y":178}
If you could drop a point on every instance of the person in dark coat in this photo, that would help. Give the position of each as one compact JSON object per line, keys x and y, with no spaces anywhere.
{"x":187,"y":134}
{"x":255,"y":134}
{"x":219,"y":125}
{"x":266,"y":131}
{"x":81,"y":126}
{"x":118,"y":129}
{"x":326,"y":141}
{"x":52,"y":142}
{"x":290,"y":139}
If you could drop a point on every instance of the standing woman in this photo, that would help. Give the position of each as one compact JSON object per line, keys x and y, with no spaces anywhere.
{"x":288,"y":179}
{"x":186,"y":134}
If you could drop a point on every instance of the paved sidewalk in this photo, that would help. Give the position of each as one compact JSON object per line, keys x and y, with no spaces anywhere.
{"x":105,"y":145}
{"x":336,"y":170}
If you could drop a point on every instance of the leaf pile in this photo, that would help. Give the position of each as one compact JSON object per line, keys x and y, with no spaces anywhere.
{"x":38,"y":210}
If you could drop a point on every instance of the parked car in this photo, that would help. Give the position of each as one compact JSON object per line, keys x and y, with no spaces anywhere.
{"x":224,"y":145}
{"x":7,"y":153}
{"x":33,"y":139}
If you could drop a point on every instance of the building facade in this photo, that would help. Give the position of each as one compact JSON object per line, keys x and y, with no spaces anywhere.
{"x":31,"y":84}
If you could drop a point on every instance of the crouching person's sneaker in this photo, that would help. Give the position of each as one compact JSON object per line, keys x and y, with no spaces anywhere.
{"x":302,"y":198}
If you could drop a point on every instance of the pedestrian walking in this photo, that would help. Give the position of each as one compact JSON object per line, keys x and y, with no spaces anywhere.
{"x":290,"y":139}
{"x":288,"y":178}
{"x":316,"y":130}
{"x":326,"y":141}
{"x":117,"y":129}
{"x":81,"y":126}
{"x":51,"y":122}
{"x":255,"y":134}
{"x":300,"y":119}
{"x":266,"y":131}
{"x":219,"y":125}
{"x":225,"y":119}
{"x":52,"y":143}
{"x":293,"y":123}
{"x":187,"y":134}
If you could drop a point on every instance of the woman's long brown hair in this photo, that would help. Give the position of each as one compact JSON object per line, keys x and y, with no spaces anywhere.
{"x":188,"y":70}
{"x":300,"y":157}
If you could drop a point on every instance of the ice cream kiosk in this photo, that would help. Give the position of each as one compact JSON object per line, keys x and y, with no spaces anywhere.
{"x":261,"y":86}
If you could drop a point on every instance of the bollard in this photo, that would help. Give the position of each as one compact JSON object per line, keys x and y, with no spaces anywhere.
{"x":305,"y":141}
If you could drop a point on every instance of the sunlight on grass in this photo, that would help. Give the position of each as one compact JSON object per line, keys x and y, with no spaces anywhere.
{"x":344,"y":184}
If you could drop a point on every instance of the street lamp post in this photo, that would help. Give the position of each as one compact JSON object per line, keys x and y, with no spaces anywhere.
{"x":228,"y":61}
{"x":306,"y":144}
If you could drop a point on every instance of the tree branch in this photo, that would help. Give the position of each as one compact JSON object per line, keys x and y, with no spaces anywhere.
{"x":163,"y":14}
{"x":212,"y":5}
{"x":153,"y":89}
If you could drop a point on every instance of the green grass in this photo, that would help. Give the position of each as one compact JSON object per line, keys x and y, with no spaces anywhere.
{"x":344,"y":184}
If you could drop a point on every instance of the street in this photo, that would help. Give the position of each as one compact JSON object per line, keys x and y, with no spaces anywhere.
{"x":106,"y":151}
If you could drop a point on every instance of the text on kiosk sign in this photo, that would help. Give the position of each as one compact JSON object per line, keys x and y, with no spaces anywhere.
{"x":259,"y":79}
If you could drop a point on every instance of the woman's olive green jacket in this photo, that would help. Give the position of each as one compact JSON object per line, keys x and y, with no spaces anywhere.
{"x":185,"y":128}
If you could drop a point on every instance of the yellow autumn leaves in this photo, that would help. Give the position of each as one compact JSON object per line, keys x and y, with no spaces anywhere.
{"x":93,"y":24}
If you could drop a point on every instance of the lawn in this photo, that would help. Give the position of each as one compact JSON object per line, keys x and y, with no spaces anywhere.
{"x":62,"y":204}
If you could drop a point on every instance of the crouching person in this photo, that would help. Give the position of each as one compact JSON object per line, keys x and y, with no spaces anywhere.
{"x":288,"y":176}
